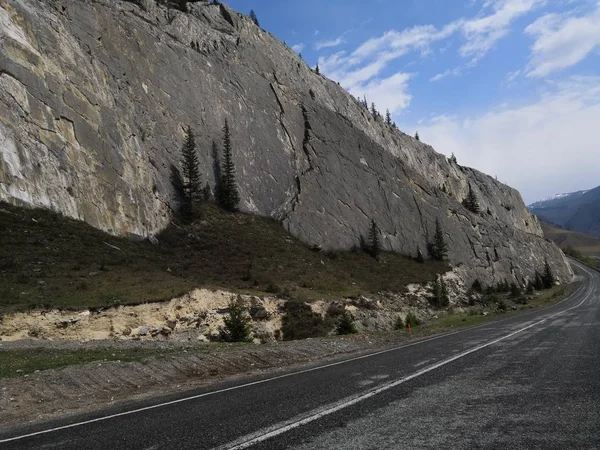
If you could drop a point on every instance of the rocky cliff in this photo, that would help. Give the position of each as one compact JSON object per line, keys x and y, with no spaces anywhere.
{"x":95,"y":95}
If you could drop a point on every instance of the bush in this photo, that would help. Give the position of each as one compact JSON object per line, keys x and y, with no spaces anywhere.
{"x":399,"y":324}
{"x":530,"y":289}
{"x":273,"y":288}
{"x":412,"y":320}
{"x":501,"y":305}
{"x":521,"y":300}
{"x":515,"y":291}
{"x":345,"y":324}
{"x":491,"y":299}
{"x":489,"y":290}
{"x":237,"y":323}
{"x":477,"y":286}
{"x":503,"y":286}
{"x":300,"y":322}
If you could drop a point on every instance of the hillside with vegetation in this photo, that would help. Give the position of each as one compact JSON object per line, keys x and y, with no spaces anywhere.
{"x":50,"y":261}
{"x":577,"y":245}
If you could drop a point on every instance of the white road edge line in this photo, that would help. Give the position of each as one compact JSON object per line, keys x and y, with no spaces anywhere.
{"x":283,"y":427}
{"x":253,"y":383}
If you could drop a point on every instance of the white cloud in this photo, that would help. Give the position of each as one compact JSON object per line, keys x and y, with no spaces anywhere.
{"x":547,"y":139}
{"x":512,"y":76}
{"x":388,"y":93}
{"x":328,"y":44}
{"x":484,"y":32}
{"x":298,"y":47}
{"x":450,"y":72}
{"x":359,"y":71}
{"x":364,"y":66}
{"x":562,"y":41}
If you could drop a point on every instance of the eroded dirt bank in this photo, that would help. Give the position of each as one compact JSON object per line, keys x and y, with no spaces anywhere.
{"x":75,"y":389}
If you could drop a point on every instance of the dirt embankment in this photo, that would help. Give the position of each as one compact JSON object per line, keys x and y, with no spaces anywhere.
{"x":46,"y":394}
{"x":198,"y":316}
{"x":194,"y":316}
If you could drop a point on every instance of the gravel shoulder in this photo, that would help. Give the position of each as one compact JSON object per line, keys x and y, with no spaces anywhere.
{"x":93,"y":386}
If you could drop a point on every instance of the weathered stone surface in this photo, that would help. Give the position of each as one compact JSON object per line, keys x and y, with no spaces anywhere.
{"x":95,"y":95}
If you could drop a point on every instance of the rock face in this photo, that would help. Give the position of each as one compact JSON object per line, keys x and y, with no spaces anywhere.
{"x":95,"y":96}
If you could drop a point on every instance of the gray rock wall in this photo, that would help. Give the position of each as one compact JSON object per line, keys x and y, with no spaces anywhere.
{"x":95,"y":95}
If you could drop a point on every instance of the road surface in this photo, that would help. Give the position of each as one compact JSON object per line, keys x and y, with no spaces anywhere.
{"x":531,"y":381}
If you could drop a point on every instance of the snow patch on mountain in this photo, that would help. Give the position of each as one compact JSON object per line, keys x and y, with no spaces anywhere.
{"x":548,"y":202}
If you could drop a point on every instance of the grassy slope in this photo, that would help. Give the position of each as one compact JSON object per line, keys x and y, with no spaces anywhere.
{"x":474,"y":317}
{"x":584,"y":243}
{"x":580,"y":246}
{"x":47,"y":260}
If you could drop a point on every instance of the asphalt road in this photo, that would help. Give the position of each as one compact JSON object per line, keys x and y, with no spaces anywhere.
{"x":526,"y":382}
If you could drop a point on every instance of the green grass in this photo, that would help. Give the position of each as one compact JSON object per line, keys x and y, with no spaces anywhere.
{"x":15,"y":363}
{"x":574,"y":253}
{"x":47,"y":260}
{"x":584,"y":244}
{"x":468,"y":319}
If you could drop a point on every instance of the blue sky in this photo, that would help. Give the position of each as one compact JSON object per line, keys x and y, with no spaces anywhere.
{"x":512,"y":87}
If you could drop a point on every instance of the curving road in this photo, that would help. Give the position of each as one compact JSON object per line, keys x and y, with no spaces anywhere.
{"x":531,"y":381}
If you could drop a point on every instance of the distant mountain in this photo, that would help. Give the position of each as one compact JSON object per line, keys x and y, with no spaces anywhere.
{"x":576,"y":211}
{"x":557,"y":200}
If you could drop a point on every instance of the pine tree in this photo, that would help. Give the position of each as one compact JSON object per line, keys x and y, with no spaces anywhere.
{"x":191,"y":173}
{"x":182,"y":4}
{"x":538,"y":282}
{"x":207,"y":194}
{"x":515,"y":291}
{"x":471,"y":202}
{"x":398,"y":324}
{"x":417,"y":136}
{"x":420,"y":259}
{"x":237,"y":323}
{"x":438,"y":248}
{"x":229,"y":196}
{"x":373,"y":110}
{"x":548,"y":277}
{"x":374,"y":242}
{"x":445,"y":297}
{"x":254,"y":18}
{"x":441,"y":299}
{"x":388,"y":118}
{"x":345,"y":324}
{"x":317,"y":70}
